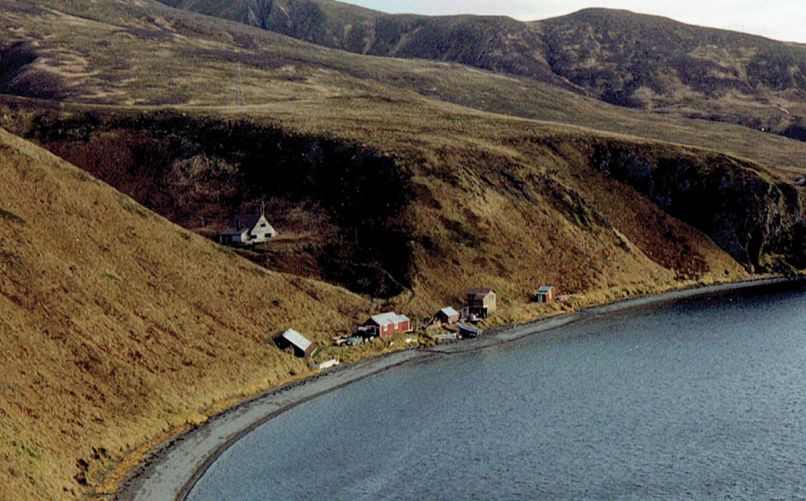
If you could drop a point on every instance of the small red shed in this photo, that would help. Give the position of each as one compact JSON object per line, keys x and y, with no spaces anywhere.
{"x":546,"y":294}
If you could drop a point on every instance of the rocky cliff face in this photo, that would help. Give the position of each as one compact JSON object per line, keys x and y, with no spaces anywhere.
{"x":758,"y":221}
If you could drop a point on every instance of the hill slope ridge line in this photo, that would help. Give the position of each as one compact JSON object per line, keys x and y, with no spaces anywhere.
{"x":117,"y":326}
{"x":623,"y":58}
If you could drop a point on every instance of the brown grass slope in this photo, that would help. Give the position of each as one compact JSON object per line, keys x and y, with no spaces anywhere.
{"x":146,"y":54}
{"x":117,"y":326}
{"x":485,"y":199}
{"x":620,"y":57}
{"x":459,"y":161}
{"x":197,"y":54}
{"x":394,"y":199}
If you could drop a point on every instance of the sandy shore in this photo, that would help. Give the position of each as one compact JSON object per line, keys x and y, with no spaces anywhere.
{"x":173,"y":469}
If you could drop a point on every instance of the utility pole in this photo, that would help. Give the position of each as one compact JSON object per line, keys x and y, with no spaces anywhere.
{"x":239,"y":97}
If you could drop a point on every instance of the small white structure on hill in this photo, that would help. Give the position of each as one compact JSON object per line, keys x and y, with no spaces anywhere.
{"x":247,"y":229}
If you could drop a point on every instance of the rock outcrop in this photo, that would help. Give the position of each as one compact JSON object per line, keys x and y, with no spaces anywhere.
{"x":757,"y":220}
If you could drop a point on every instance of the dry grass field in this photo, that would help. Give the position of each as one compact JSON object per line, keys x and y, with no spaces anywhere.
{"x":620,"y":57}
{"x":395,"y":184}
{"x":118,"y":326}
{"x":145,"y":55}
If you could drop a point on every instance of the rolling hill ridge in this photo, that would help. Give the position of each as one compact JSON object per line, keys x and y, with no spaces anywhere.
{"x":623,"y":58}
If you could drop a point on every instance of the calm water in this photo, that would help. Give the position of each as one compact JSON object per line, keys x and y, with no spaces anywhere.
{"x":697,"y":399}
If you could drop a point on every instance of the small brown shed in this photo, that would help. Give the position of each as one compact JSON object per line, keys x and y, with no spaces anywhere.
{"x":302,"y":347}
{"x":481,"y":302}
{"x":448,"y":315}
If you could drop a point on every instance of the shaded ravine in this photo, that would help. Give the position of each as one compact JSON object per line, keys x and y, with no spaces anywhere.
{"x":198,"y":170}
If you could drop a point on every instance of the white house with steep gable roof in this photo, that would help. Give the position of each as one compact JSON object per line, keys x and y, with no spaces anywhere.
{"x":247,"y":229}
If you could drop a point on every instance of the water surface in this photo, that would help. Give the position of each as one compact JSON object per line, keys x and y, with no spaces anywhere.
{"x":701,"y":398}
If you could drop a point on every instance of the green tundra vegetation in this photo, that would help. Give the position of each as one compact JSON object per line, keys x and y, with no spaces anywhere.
{"x":395,"y":182}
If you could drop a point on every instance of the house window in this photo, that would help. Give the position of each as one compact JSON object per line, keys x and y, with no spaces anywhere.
{"x":262,"y":225}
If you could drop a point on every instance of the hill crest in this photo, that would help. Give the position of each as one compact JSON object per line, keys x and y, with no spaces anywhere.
{"x":618,"y":56}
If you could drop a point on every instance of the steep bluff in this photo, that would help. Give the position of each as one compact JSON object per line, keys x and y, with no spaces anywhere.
{"x":381,"y":222}
{"x":117,"y":326}
{"x":759,"y":221}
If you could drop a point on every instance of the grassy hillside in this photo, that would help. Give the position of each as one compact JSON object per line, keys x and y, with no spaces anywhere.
{"x":399,"y":197}
{"x":623,"y":58}
{"x":404,"y":180}
{"x":306,"y":88}
{"x":146,"y":54}
{"x":117,"y":326}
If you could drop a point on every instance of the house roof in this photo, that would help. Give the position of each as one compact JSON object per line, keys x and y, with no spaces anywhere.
{"x":479,"y":293}
{"x":449,"y":311}
{"x":243,"y":222}
{"x":388,"y":318}
{"x":545,"y":289}
{"x":296,"y":339}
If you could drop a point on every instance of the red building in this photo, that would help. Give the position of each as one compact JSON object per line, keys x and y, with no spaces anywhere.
{"x":546,"y":294}
{"x":385,"y":324}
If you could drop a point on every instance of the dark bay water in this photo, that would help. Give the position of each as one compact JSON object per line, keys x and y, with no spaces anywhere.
{"x":702,"y":398}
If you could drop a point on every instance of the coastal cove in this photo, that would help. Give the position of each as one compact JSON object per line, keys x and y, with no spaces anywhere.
{"x":175,"y":468}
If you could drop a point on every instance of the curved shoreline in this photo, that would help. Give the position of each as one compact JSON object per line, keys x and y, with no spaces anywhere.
{"x":174,"y":468}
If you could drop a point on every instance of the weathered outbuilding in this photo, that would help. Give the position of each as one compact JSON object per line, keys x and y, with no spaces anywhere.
{"x":546,"y":294}
{"x":302,"y":346}
{"x":448,"y":315}
{"x":247,"y":229}
{"x":385,"y":324}
{"x":481,"y":302}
